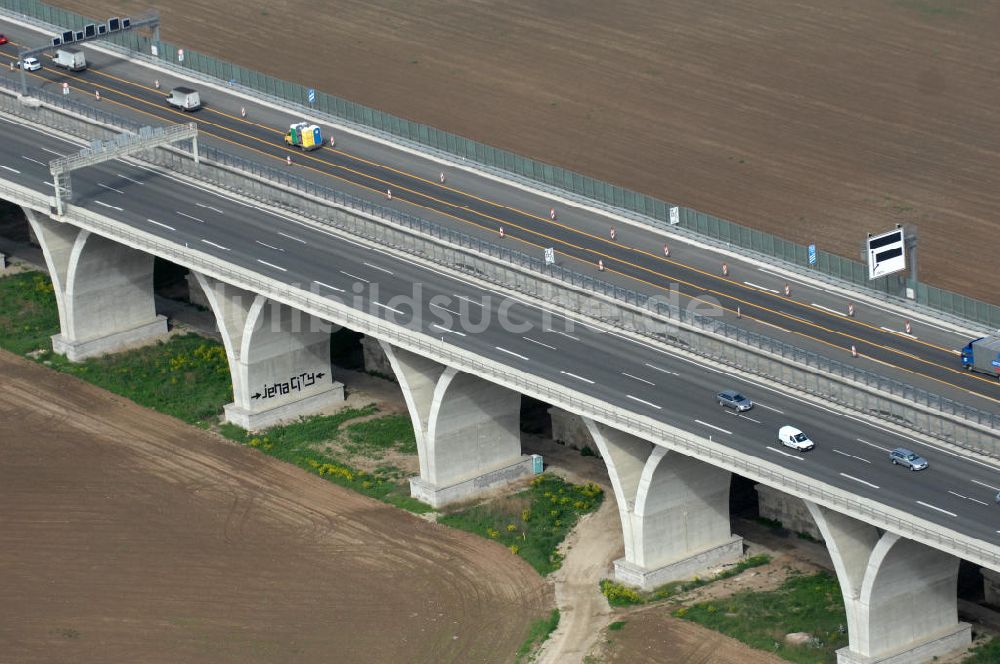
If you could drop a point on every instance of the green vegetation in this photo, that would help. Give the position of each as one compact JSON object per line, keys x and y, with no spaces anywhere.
{"x":616,"y":626}
{"x":986,"y":653}
{"x":620,"y":595}
{"x":296,"y":443}
{"x":373,"y":437}
{"x":28,"y":314}
{"x":534,"y":522}
{"x":811,"y":604}
{"x":538,"y":633}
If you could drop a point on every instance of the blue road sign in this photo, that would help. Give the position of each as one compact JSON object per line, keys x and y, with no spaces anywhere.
{"x":312,"y":95}
{"x":812,"y":254}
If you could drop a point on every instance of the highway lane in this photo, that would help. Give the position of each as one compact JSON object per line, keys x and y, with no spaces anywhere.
{"x":851,"y":453}
{"x":635,"y":255}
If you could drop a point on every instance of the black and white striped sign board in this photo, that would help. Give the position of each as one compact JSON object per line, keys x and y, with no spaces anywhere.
{"x":886,"y":253}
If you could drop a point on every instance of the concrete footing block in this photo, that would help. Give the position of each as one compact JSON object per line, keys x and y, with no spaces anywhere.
{"x":729,"y":551}
{"x":262,"y":418}
{"x":955,"y":638}
{"x":439,"y":496}
{"x":76,"y":351}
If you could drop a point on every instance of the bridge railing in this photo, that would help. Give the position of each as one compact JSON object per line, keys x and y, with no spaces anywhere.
{"x":656,"y":318}
{"x":329,"y":307}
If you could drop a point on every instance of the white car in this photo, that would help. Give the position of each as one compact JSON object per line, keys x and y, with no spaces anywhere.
{"x":30,"y":64}
{"x":792,"y":437}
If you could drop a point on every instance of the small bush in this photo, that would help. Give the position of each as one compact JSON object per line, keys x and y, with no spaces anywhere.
{"x":616,"y":626}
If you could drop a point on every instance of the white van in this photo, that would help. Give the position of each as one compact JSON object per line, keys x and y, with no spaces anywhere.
{"x":792,"y":437}
{"x":185,"y":99}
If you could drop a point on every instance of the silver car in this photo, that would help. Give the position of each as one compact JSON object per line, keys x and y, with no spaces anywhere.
{"x":735,"y":400}
{"x":904,"y":457}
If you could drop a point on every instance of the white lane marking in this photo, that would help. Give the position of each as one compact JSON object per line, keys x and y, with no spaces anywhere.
{"x":352,"y":276}
{"x":164,"y":225}
{"x":985,"y":485}
{"x":386,"y":306}
{"x":853,"y":456}
{"x":51,"y":184}
{"x":216,"y":245}
{"x":712,"y":426}
{"x":745,"y":417}
{"x":470,"y":300}
{"x":851,"y":477}
{"x":40,"y":163}
{"x":276,"y":267}
{"x":125,"y":177}
{"x":376,"y":267}
{"x":920,"y":502}
{"x":779,"y":412}
{"x":565,"y":334}
{"x":58,"y":154}
{"x":445,"y":329}
{"x":651,"y":405}
{"x":678,"y":357}
{"x":334,"y":288}
{"x":878,"y":447}
{"x":12,"y":170}
{"x":786,"y":277}
{"x":510,"y":352}
{"x":291,"y":237}
{"x":666,"y":371}
{"x":438,"y":306}
{"x":209,"y":207}
{"x":573,"y":375}
{"x":968,"y":498}
{"x":902,"y":334}
{"x":829,"y":310}
{"x":269,"y":246}
{"x":753,"y":285}
{"x":536,"y":341}
{"x":200,"y":221}
{"x":641,"y":380}
{"x":784,"y":453}
{"x":113,"y":207}
{"x":117,"y":191}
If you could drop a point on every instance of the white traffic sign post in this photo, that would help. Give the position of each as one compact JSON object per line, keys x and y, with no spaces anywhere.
{"x":180,"y":55}
{"x":550,"y":256}
{"x":65,"y":88}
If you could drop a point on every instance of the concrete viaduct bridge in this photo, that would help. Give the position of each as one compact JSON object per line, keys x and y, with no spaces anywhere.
{"x":670,"y":472}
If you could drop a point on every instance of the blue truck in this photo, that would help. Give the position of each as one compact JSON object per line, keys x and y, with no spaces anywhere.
{"x":983,"y":355}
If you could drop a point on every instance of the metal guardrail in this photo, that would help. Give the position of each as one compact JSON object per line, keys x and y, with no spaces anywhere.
{"x":556,"y":180}
{"x":707,"y":450}
{"x":849,"y":386}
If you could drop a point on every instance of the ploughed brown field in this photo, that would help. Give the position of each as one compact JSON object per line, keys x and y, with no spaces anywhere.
{"x":817,"y":121}
{"x":128,"y":536}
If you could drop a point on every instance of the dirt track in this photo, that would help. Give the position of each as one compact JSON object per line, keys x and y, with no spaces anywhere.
{"x":128,"y":536}
{"x":818,"y":121}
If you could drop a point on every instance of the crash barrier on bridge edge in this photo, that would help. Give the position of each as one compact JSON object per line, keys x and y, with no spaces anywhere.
{"x":621,"y":307}
{"x":328,"y":307}
{"x":643,"y":208}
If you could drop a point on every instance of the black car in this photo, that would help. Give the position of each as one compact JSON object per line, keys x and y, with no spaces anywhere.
{"x":735,"y":400}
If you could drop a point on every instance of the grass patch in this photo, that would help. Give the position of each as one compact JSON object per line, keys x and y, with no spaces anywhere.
{"x":621,"y":595}
{"x":538,"y":633}
{"x":374,"y":437}
{"x":28,"y":313}
{"x":986,"y":653}
{"x":811,"y":604}
{"x":295,"y":443}
{"x":533,"y":522}
{"x":616,"y":626}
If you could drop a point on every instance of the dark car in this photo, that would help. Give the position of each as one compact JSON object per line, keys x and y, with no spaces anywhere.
{"x":3,"y":40}
{"x":904,"y":457}
{"x":733,"y":399}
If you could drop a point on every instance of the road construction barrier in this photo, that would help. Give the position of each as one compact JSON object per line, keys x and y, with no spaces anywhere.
{"x":552,"y":214}
{"x":97,"y":95}
{"x":906,"y":326}
{"x":666,"y":250}
{"x":725,"y":270}
{"x":613,"y":234}
{"x":600,"y":264}
{"x":388,"y":194}
{"x":441,"y":177}
{"x":850,"y":310}
{"x":854,"y":351}
{"x":288,"y":160}
{"x":739,"y":312}
{"x":156,"y":84}
{"x":788,"y":290}
{"x":501,"y":232}
{"x":243,"y":111}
